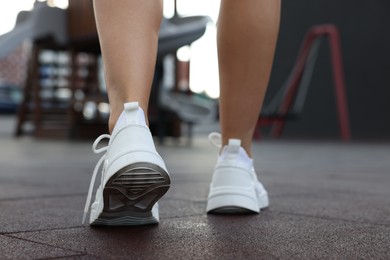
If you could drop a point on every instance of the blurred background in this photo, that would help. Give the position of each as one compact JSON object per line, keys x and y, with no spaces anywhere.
{"x":52,"y":82}
{"x":330,"y":83}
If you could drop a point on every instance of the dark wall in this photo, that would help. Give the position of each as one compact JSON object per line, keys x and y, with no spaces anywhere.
{"x":365,"y":38}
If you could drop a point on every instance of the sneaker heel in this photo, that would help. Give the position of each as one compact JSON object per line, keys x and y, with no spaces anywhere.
{"x":131,"y":193}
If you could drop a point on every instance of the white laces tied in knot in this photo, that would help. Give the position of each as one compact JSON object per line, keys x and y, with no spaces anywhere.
{"x":215,"y":139}
{"x":95,"y":171}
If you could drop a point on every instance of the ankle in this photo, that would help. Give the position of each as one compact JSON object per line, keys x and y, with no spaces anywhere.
{"x":112,"y":122}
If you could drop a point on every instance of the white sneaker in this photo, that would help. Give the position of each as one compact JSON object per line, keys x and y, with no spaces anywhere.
{"x":133,"y":178}
{"x":234,"y":187}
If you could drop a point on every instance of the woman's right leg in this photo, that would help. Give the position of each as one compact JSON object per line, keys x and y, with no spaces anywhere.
{"x":128,"y":33}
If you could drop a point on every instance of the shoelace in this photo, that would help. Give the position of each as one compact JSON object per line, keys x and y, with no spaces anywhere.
{"x":95,"y":171}
{"x":215,"y":139}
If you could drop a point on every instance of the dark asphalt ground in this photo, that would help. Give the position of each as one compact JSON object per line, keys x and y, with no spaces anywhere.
{"x":329,"y":200}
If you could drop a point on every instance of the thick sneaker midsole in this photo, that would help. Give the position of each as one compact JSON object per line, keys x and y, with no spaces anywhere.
{"x":232,"y":197}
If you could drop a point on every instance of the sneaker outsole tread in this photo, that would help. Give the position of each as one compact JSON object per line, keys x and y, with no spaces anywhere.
{"x":130,"y":194}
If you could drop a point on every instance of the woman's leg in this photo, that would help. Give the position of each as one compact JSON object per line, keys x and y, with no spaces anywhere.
{"x":247,"y":32}
{"x":128,"y":33}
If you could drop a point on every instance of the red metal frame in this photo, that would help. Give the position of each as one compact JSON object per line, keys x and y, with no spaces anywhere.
{"x":333,"y":35}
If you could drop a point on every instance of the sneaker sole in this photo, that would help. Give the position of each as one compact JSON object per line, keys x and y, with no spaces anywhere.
{"x":130,"y":194}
